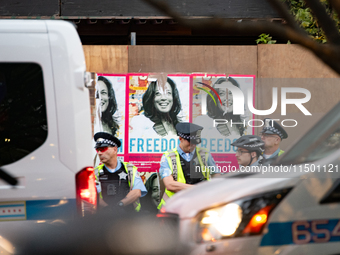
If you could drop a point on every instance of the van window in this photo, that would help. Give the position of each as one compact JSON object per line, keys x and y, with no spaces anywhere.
{"x":23,"y":120}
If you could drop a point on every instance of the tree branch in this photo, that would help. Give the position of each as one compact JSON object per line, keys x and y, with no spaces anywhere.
{"x":325,"y":21}
{"x":336,"y":5}
{"x":328,"y":53}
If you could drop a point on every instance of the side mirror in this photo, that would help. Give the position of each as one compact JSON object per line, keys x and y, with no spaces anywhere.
{"x":8,"y":178}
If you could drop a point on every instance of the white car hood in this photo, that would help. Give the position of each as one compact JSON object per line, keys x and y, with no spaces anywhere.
{"x":188,"y":203}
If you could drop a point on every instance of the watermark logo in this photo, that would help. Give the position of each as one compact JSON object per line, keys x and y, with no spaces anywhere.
{"x":207,"y":91}
{"x":238,"y":99}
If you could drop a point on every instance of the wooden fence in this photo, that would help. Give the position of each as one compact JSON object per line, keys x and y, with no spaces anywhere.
{"x":273,"y":65}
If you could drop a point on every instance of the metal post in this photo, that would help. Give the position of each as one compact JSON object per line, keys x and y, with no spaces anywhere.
{"x":133,"y":38}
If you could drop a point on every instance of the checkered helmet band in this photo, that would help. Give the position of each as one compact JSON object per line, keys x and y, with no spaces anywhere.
{"x":107,"y":141}
{"x":188,"y":137}
{"x":273,"y":130}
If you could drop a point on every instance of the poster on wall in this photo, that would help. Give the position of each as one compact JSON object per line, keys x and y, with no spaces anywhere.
{"x":110,"y":107}
{"x":213,"y":109}
{"x":142,"y":111}
{"x":157,"y":102}
{"x":153,"y":197}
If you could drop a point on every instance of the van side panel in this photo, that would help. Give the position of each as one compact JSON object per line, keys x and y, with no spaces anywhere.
{"x":72,"y":98}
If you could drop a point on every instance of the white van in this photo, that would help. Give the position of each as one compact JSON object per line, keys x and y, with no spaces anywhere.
{"x":295,"y":209}
{"x":45,"y":126}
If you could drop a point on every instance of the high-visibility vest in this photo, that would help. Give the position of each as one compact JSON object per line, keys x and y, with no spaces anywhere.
{"x":177,"y":172}
{"x":131,"y":170}
{"x":280,"y":153}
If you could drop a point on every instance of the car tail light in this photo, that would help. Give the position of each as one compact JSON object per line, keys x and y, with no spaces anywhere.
{"x":86,"y":191}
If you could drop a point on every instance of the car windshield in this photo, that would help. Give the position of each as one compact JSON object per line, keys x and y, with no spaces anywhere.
{"x":321,"y":141}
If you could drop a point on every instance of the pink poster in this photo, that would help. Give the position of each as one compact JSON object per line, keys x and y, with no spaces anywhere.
{"x":213,"y":103}
{"x":156,"y":104}
{"x":111,"y":107}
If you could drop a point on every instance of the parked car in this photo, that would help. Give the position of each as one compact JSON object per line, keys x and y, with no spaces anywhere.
{"x":45,"y":128}
{"x":292,"y":209}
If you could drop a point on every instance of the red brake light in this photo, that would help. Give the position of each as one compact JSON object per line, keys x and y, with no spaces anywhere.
{"x":86,"y":190}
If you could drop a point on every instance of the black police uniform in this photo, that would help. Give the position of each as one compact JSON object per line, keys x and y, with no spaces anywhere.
{"x":186,"y":166}
{"x":114,"y":186}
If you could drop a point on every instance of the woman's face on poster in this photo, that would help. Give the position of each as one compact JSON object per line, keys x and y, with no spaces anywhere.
{"x":103,"y":95}
{"x":163,"y":98}
{"x":155,"y":192}
{"x":226,"y":98}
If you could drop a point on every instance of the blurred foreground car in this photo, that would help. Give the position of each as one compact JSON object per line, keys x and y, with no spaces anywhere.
{"x":294,"y":208}
{"x":105,"y":233}
{"x":45,"y":128}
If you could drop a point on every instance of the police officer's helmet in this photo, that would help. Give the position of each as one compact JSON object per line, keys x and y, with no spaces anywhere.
{"x":251,"y":143}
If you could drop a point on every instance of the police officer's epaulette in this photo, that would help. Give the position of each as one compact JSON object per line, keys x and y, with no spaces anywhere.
{"x":171,"y":153}
{"x":172,"y":150}
{"x":205,"y":150}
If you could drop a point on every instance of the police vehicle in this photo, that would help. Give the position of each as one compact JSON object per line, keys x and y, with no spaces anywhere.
{"x":45,"y":128}
{"x":292,"y":208}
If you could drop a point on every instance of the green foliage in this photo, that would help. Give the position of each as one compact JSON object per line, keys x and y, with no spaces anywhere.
{"x":305,"y":17}
{"x":307,"y":21}
{"x":265,"y":39}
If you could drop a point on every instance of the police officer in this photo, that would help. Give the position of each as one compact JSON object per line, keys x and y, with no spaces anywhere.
{"x":272,"y":134}
{"x":187,"y":164}
{"x":118,"y":183}
{"x":249,"y":149}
